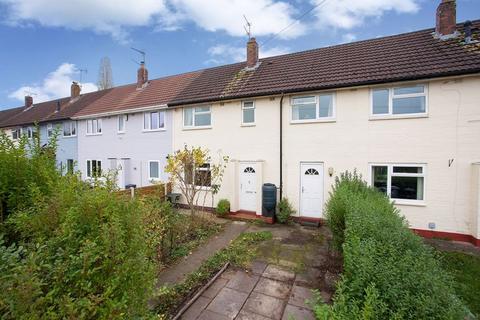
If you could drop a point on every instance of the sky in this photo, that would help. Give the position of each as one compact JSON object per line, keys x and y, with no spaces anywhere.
{"x":44,"y":43}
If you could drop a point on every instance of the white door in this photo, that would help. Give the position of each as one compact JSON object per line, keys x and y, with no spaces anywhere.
{"x":248,"y":187}
{"x":311,"y":190}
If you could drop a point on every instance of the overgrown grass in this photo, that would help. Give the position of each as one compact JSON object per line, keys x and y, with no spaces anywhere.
{"x":466,"y":270}
{"x":239,"y":253}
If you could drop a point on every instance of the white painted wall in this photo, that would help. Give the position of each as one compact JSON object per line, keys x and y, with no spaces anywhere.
{"x":135,"y":144}
{"x":451,"y":131}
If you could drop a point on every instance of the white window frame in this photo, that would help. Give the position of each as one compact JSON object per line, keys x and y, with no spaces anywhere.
{"x":73,"y":127}
{"x":67,"y":165}
{"x":124,"y":119}
{"x":49,"y":130}
{"x":147,"y":124}
{"x":96,"y":124}
{"x":18,"y":134}
{"x":391,"y":96}
{"x":317,"y":107}
{"x":30,"y":132}
{"x":91,"y":167}
{"x":249,"y":124}
{"x":159,"y":173}
{"x":391,"y":174}
{"x":194,"y":126}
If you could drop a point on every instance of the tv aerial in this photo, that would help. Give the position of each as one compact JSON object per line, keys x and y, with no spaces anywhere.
{"x":143,"y":53}
{"x":82,"y":71}
{"x":248,"y":27}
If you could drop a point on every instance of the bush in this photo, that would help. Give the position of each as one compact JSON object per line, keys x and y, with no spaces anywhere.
{"x":388,"y":272}
{"x":284,"y":211}
{"x":223,"y":208}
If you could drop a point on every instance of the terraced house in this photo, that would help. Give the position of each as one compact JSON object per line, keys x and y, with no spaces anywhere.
{"x":402,"y":110}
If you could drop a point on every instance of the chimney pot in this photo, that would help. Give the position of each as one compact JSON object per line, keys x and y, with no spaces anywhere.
{"x":446,"y":18}
{"x":75,"y":90}
{"x":28,"y":102}
{"x":142,"y":75}
{"x":252,"y":53}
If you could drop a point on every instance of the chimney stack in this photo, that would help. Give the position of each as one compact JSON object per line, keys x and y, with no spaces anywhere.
{"x":252,"y":53}
{"x":28,"y":102}
{"x":142,"y":75}
{"x":75,"y":90}
{"x":446,"y":19}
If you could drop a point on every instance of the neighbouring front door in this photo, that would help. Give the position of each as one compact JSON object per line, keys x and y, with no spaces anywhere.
{"x":311,"y":190}
{"x":248,"y":188}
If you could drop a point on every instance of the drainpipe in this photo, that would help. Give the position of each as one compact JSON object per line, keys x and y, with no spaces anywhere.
{"x":281,"y":146}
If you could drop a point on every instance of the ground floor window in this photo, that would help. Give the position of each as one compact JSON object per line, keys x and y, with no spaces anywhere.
{"x":400,"y":181}
{"x":94,"y":168}
{"x":154,"y":170}
{"x":202,"y":177}
{"x":70,"y":166}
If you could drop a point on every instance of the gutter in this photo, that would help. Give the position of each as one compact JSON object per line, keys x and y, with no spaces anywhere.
{"x":117,"y":112}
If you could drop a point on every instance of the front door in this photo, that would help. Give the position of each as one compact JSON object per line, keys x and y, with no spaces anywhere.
{"x":248,"y":187}
{"x":311,"y":190}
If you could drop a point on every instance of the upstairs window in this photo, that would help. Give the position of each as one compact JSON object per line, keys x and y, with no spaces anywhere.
{"x":16,"y":133}
{"x":399,"y":101}
{"x":94,"y":126}
{"x":122,"y":120}
{"x":403,"y":182}
{"x":248,"y":113}
{"x":197,"y":117}
{"x":30,"y":132}
{"x":153,"y":121}
{"x":69,"y":129}
{"x":307,"y":108}
{"x":94,"y":168}
{"x":49,"y":130}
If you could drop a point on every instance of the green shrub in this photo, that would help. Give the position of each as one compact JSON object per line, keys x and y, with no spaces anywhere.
{"x":223,"y":208}
{"x":388,"y":272}
{"x":284,"y":211}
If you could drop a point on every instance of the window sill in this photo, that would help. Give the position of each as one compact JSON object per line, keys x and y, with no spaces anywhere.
{"x":68,"y":137}
{"x":200,"y":188}
{"x":412,"y":203}
{"x":197,"y":128}
{"x":395,"y":117}
{"x":326,"y":120}
{"x":155,"y":130}
{"x":93,"y":134}
{"x":248,"y":124}
{"x":120,"y":132}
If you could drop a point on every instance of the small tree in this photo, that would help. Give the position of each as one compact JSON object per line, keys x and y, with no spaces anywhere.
{"x":193,"y":168}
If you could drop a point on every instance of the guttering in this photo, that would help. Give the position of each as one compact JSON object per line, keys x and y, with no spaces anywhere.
{"x":117,"y":112}
{"x":281,"y":146}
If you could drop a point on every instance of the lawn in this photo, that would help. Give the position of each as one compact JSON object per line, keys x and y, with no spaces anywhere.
{"x":466,"y":270}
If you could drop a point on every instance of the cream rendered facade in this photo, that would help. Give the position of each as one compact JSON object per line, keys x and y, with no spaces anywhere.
{"x":445,"y":141}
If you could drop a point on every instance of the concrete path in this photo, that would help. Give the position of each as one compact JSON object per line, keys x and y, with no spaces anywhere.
{"x":178,"y":272}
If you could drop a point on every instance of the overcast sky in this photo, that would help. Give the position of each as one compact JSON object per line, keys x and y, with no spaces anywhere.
{"x":43,"y":43}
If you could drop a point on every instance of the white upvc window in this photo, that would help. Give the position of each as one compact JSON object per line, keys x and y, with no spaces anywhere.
{"x":197,"y":117}
{"x":313,"y":108}
{"x":49,"y":130}
{"x":94,"y":126}
{"x":154,"y":121}
{"x":404,"y":183}
{"x":69,"y":128}
{"x":154,"y":170}
{"x":16,"y":133}
{"x":200,"y":177}
{"x":30,"y":132}
{"x":248,"y":113}
{"x":121,"y":123}
{"x":94,"y":168}
{"x":70,"y":166}
{"x":400,"y":101}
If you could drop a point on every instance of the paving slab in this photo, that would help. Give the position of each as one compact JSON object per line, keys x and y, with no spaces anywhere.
{"x":276,"y":273}
{"x":209,"y":315}
{"x":245,"y":315}
{"x":214,"y":288}
{"x":196,"y":308}
{"x":264,"y":305}
{"x":228,"y":302}
{"x":297,"y":313}
{"x":299,"y":297}
{"x":243,"y":282}
{"x":257,"y":267}
{"x":274,"y":288}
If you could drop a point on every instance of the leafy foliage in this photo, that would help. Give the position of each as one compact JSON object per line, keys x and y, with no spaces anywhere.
{"x":284,"y":211}
{"x":388,"y":272}
{"x":223,"y":208}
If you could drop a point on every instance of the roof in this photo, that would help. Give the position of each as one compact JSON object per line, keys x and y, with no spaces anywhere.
{"x":409,"y":56}
{"x":9,"y":113}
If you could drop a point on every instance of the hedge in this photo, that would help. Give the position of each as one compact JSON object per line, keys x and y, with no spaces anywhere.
{"x":388,"y":272}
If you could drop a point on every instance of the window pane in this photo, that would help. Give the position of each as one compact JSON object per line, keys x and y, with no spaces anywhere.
{"x":410,"y":188}
{"x":325,"y":108}
{"x":99,"y":124}
{"x":304,"y":112}
{"x":188,"y":117}
{"x":154,"y":170}
{"x":249,"y":115}
{"x":203,"y":176}
{"x":380,"y":101}
{"x":154,"y":120}
{"x":304,"y":100}
{"x":89,"y":126}
{"x":161,"y":119}
{"x":146,"y":121}
{"x":89,"y":168}
{"x":74,"y":128}
{"x":380,"y":178}
{"x":202,"y":119}
{"x":202,"y":109}
{"x":407,"y":169}
{"x":66,"y":129}
{"x":69,"y":166}
{"x":408,"y":90}
{"x":121,"y":123}
{"x":409,"y":105}
{"x":248,"y":104}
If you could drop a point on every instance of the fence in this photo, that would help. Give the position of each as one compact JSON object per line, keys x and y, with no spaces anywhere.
{"x":160,"y":190}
